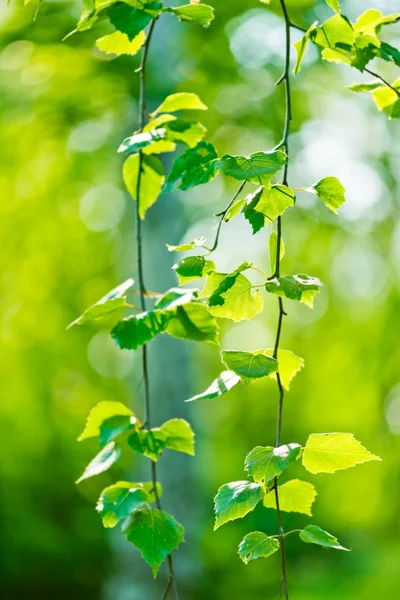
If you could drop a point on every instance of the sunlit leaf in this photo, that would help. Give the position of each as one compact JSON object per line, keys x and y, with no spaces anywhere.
{"x":102,"y":462}
{"x":180,"y":436}
{"x":193,"y":322}
{"x":294,"y":496}
{"x":224,"y":382}
{"x":334,"y":4}
{"x":150,"y":443}
{"x":202,"y":14}
{"x":252,"y":365}
{"x":118,"y":43}
{"x":295,"y":287}
{"x":132,"y":332}
{"x":151,"y":182}
{"x":193,"y":267}
{"x":301,"y":47}
{"x":258,"y":167}
{"x":234,"y":500}
{"x":102,"y":412}
{"x":315,"y":535}
{"x":273,"y":248}
{"x":180,"y":101}
{"x":118,"y":501}
{"x":114,"y":300}
{"x":371,"y":21}
{"x":231,"y":296}
{"x":197,"y":243}
{"x":264,"y":463}
{"x":138,"y":141}
{"x":194,"y":167}
{"x":330,"y":452}
{"x":289,"y":366}
{"x":257,"y":545}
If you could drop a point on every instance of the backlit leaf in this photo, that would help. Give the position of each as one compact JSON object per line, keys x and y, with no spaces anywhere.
{"x":118,"y":501}
{"x":289,"y":366}
{"x":102,"y":412}
{"x":118,"y":43}
{"x":257,"y":545}
{"x":231,"y":296}
{"x":301,"y":47}
{"x":264,"y":463}
{"x":150,"y":443}
{"x":224,"y":382}
{"x":330,"y":191}
{"x":180,"y":436}
{"x":249,"y":364}
{"x":141,"y":140}
{"x":197,"y":243}
{"x":132,"y":332}
{"x":273,"y":247}
{"x":152,"y":180}
{"x":330,"y":452}
{"x":334,"y":4}
{"x":371,"y":21}
{"x":193,"y":322}
{"x":193,"y":267}
{"x":258,"y":167}
{"x":201,"y":14}
{"x":315,"y":535}
{"x":180,"y":101}
{"x":102,"y":462}
{"x":295,"y":287}
{"x":234,"y":500}
{"x":194,"y":167}
{"x":294,"y":496}
{"x":114,"y":300}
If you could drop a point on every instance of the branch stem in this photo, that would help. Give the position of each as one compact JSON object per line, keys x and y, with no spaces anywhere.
{"x":222,"y":216}
{"x":389,"y":85}
{"x":142,"y":286}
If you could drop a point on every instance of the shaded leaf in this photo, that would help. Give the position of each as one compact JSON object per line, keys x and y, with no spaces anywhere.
{"x":264,"y":463}
{"x":257,"y":545}
{"x":249,"y":364}
{"x":150,"y":443}
{"x":193,"y":267}
{"x":224,"y":382}
{"x":194,"y":167}
{"x":115,"y":426}
{"x":102,"y":462}
{"x":193,"y":322}
{"x":234,"y":500}
{"x":132,"y":332}
{"x":294,"y":496}
{"x":330,"y":452}
{"x":295,"y":287}
{"x":315,"y":535}
{"x":118,"y":501}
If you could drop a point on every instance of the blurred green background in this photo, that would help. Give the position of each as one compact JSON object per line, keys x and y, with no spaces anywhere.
{"x":67,"y":237}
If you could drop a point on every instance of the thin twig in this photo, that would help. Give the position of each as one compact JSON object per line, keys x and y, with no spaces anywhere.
{"x":222,"y":216}
{"x":389,"y":85}
{"x":142,"y":287}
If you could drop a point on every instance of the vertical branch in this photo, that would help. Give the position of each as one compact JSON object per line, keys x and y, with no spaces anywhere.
{"x":286,"y":79}
{"x":142,"y":288}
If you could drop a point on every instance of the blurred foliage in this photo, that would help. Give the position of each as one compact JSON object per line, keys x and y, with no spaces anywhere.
{"x":67,"y":238}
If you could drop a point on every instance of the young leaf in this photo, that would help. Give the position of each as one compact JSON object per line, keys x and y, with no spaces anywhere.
{"x":155,"y":533}
{"x":273,"y":248}
{"x":141,"y":140}
{"x":193,"y":267}
{"x":337,"y":33}
{"x":263,"y":464}
{"x":152,"y":180}
{"x":295,"y":287}
{"x":372,"y":20}
{"x":301,"y":46}
{"x":118,"y":501}
{"x":330,"y":452}
{"x":131,"y":20}
{"x":330,"y":191}
{"x":334,"y":4}
{"x":294,"y":496}
{"x":115,"y":426}
{"x":231,"y":297}
{"x":132,"y":332}
{"x":197,"y":243}
{"x":193,"y":322}
{"x":102,"y":462}
{"x":149,"y":443}
{"x":388,"y":101}
{"x":111,"y":302}
{"x":175,"y":297}
{"x":180,"y":101}
{"x":273,"y":201}
{"x":224,"y":382}
{"x":315,"y":535}
{"x":234,"y":500}
{"x":257,"y":545}
{"x":102,"y":412}
{"x":118,"y":43}
{"x":258,"y":167}
{"x":180,"y":436}
{"x":185,"y":131}
{"x":289,"y":366}
{"x":194,"y":167}
{"x":202,"y":14}
{"x":252,"y":365}
{"x":365,"y":87}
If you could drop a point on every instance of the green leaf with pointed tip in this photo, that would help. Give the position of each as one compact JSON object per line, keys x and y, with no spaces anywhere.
{"x":194,"y":167}
{"x":231,"y":297}
{"x":249,"y":364}
{"x":114,"y":300}
{"x":175,"y":297}
{"x":197,"y":243}
{"x":102,"y":462}
{"x":289,"y":366}
{"x":180,"y":436}
{"x":115,"y":426}
{"x":202,"y":14}
{"x":264,"y":463}
{"x":388,"y":101}
{"x":100,"y":413}
{"x":365,"y":87}
{"x":315,"y":535}
{"x":294,"y":496}
{"x":118,"y":501}
{"x":180,"y":101}
{"x":295,"y":287}
{"x":334,"y":4}
{"x":138,"y":141}
{"x":118,"y":43}
{"x":330,"y":452}
{"x":132,"y":332}
{"x":193,"y":322}
{"x":301,"y":47}
{"x":390,"y":53}
{"x":150,"y":443}
{"x":224,"y":382}
{"x":155,"y":534}
{"x":152,"y":180}
{"x":185,"y":131}
{"x":163,"y":145}
{"x":193,"y":267}
{"x":258,"y":167}
{"x":371,"y":21}
{"x":234,"y":500}
{"x":131,"y":20}
{"x":257,"y":545}
{"x":337,"y":33}
{"x":273,"y":248}
{"x":234,"y":209}
{"x":267,"y":204}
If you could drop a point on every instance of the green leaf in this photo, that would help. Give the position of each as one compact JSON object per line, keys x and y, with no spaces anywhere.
{"x":372,"y":20}
{"x":390,"y":53}
{"x":118,"y":43}
{"x":267,"y":204}
{"x":330,"y":191}
{"x":295,"y":287}
{"x":315,"y":535}
{"x":234,"y":500}
{"x":115,"y":426}
{"x":114,"y":300}
{"x":102,"y":462}
{"x":155,"y":533}
{"x":388,"y":101}
{"x":197,"y":243}
{"x":257,"y":545}
{"x":193,"y":322}
{"x":273,"y":248}
{"x":231,"y":297}
{"x":193,"y":267}
{"x":180,"y":436}
{"x":194,"y":167}
{"x":175,"y":297}
{"x":132,"y":332}
{"x":337,"y":33}
{"x":249,"y":364}
{"x":163,"y":145}
{"x":294,"y":496}
{"x":301,"y":47}
{"x":289,"y":366}
{"x":138,"y":141}
{"x":185,"y":131}
{"x":149,"y":443}
{"x":330,"y":452}
{"x":258,"y":167}
{"x":334,"y":4}
{"x":102,"y":412}
{"x":202,"y":14}
{"x":180,"y":101}
{"x":264,"y":463}
{"x":234,"y":209}
{"x":130,"y":20}
{"x":151,"y":182}
{"x":118,"y":501}
{"x":224,"y":382}
{"x":365,"y":87}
